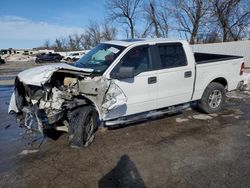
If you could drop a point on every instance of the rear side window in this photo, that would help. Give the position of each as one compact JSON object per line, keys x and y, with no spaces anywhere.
{"x":139,"y":59}
{"x":172,"y":55}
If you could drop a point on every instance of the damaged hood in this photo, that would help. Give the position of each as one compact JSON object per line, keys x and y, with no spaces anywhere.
{"x":40,"y":75}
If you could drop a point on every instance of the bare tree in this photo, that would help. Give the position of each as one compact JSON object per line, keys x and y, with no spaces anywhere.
{"x":58,"y":46}
{"x":189,"y":14}
{"x":92,"y":35}
{"x":124,"y":12}
{"x":147,"y":31}
{"x":151,"y":16}
{"x":77,"y":39}
{"x":212,"y":37}
{"x":71,"y":43}
{"x":233,"y":18}
{"x":86,"y":41}
{"x":94,"y":32}
{"x":157,"y":17}
{"x":108,"y":32}
{"x":163,"y":15}
{"x":46,"y":44}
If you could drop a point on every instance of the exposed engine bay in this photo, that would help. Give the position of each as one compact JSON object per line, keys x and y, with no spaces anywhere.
{"x":40,"y":106}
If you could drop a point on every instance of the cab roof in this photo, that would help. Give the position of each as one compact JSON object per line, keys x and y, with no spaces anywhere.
{"x":129,"y":42}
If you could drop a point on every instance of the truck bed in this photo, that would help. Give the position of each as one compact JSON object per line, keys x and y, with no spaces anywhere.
{"x":211,"y":66}
{"x":202,"y":58}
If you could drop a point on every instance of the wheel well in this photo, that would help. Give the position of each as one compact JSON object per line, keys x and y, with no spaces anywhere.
{"x":221,"y":80}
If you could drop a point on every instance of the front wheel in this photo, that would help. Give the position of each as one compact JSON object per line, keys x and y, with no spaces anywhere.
{"x":82,"y":125}
{"x":213,"y":98}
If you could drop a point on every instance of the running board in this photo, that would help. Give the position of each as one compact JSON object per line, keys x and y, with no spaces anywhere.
{"x":146,"y":115}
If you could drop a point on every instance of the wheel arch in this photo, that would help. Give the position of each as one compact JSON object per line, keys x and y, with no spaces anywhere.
{"x":85,"y":101}
{"x":220,"y":80}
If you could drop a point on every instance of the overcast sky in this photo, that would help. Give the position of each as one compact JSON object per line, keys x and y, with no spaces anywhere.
{"x":27,"y":24}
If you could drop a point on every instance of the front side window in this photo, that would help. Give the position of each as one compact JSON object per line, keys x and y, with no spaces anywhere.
{"x":100,"y":58}
{"x":172,"y":56}
{"x":139,"y":59}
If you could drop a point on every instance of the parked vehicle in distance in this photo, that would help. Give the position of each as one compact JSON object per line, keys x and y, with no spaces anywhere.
{"x":55,"y":57}
{"x":74,"y":56}
{"x":26,"y":53}
{"x":2,"y":61}
{"x":121,"y":82}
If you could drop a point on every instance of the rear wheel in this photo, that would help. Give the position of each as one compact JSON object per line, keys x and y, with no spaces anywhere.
{"x":213,"y":98}
{"x":82,"y":125}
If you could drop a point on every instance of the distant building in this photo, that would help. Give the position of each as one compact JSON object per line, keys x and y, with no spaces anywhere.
{"x":24,"y":51}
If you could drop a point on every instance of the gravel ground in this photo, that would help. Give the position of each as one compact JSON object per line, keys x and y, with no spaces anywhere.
{"x":188,"y":149}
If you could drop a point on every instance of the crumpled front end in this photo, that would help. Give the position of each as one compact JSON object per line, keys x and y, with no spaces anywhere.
{"x":45,"y":103}
{"x":36,"y":107}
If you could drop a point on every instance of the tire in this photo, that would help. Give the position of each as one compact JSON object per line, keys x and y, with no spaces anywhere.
{"x":213,"y":98}
{"x":81,"y":130}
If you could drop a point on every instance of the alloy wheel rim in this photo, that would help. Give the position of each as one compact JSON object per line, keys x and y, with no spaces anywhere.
{"x":215,"y":99}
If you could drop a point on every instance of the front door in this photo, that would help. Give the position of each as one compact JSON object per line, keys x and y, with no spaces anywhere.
{"x":141,"y":91}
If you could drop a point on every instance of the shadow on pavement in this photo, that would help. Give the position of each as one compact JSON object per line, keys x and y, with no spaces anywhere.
{"x":125,"y":174}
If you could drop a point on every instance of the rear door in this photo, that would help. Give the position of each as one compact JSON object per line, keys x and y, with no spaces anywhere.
{"x":175,"y":75}
{"x":141,"y":91}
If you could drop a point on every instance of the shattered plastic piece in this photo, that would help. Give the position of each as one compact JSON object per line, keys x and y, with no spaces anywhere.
{"x":114,"y":97}
{"x":44,"y":104}
{"x":31,"y":121}
{"x":34,"y":101}
{"x":26,"y":152}
{"x":57,"y":99}
{"x":12,"y":105}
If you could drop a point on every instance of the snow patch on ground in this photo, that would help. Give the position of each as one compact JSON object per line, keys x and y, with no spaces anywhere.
{"x":180,"y":120}
{"x":21,"y":58}
{"x":236,"y":95}
{"x":213,"y":115}
{"x":202,"y":117}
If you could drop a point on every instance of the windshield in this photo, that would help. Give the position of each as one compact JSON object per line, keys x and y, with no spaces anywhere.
{"x":100,"y":58}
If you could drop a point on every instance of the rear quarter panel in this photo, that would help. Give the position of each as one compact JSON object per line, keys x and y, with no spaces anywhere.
{"x":207,"y":72}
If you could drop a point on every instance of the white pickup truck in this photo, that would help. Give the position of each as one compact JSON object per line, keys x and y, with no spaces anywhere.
{"x":120,"y":82}
{"x":74,"y":56}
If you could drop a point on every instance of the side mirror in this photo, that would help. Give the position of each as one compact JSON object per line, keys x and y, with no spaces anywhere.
{"x":124,"y":72}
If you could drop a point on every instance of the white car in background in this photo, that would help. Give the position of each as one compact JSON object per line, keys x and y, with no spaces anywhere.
{"x":74,"y":56}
